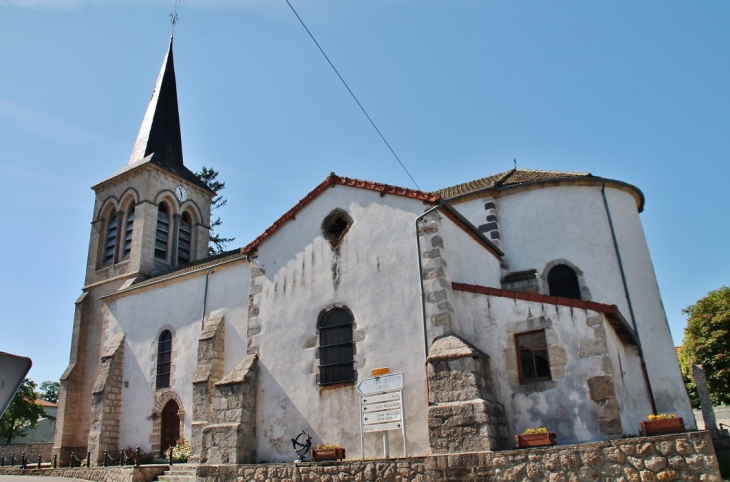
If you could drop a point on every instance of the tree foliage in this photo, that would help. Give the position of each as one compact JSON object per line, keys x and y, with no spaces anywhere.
{"x":217,"y":243}
{"x":707,"y":343}
{"x":49,"y":390}
{"x":22,"y":413}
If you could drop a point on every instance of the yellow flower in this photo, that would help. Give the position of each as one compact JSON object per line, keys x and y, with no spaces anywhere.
{"x":661,"y":416}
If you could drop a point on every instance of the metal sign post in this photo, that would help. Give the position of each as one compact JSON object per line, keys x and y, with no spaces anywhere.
{"x":381,"y":409}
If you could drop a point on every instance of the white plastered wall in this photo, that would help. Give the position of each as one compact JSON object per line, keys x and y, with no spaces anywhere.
{"x":373,"y":273}
{"x":177,"y":306}
{"x":551,"y":223}
{"x":563,"y":405}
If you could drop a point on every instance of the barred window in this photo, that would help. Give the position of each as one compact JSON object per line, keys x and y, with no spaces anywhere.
{"x":336,"y":348}
{"x":164,"y":359}
{"x":128,"y":233}
{"x":110,"y":247}
{"x":563,"y":282}
{"x":183,"y":242}
{"x":532,"y":354}
{"x":163,"y":232}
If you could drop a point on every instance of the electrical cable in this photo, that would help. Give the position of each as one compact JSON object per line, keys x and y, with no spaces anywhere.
{"x":353,"y":95}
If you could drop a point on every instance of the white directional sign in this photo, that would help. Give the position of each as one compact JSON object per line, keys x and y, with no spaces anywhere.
{"x":381,"y":417}
{"x":383,"y":426}
{"x":385,"y":397}
{"x":374,"y":407}
{"x":385,"y":383}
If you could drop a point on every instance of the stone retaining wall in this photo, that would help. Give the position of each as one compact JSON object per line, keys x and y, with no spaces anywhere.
{"x":146,"y":473}
{"x":687,"y":457}
{"x":33,"y":450}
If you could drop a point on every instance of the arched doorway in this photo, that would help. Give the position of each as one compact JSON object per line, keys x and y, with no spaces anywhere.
{"x":170,"y":426}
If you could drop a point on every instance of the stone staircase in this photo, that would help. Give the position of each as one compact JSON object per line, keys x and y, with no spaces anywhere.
{"x":179,"y":473}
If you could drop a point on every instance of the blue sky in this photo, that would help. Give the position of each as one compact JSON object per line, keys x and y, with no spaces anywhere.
{"x":636,"y":91}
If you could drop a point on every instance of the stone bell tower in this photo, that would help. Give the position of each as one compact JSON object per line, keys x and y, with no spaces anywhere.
{"x":150,"y":217}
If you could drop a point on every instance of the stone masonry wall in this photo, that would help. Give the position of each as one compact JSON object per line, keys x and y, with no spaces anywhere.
{"x":208,"y":371}
{"x":97,"y":474}
{"x":230,"y":437}
{"x":106,"y":406}
{"x":436,"y":285}
{"x":463,"y":415}
{"x":687,"y":457}
{"x":31,"y":450}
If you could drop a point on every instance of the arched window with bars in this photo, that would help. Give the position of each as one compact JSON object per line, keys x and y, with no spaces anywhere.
{"x":563,"y":282}
{"x":164,"y":359}
{"x":162,"y":235}
{"x":336,"y":347}
{"x":110,"y":244}
{"x":128,"y":229}
{"x":184,"y":239}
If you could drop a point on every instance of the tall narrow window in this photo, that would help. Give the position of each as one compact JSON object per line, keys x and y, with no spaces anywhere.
{"x":164,"y":359}
{"x":163,"y":232}
{"x":111,"y":239}
{"x":183,"y":242}
{"x":336,"y":348}
{"x":128,"y":233}
{"x":563,"y":282}
{"x":533,"y":356}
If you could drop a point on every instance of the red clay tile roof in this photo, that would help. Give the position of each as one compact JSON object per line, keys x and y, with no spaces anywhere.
{"x":614,"y":317}
{"x":333,"y":179}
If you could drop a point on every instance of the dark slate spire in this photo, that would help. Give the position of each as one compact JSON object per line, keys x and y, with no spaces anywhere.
{"x":160,"y":131}
{"x":159,"y":136}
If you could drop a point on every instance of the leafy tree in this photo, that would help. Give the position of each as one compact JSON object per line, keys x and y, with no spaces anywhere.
{"x":49,"y":390}
{"x":707,"y":343}
{"x":22,"y":413}
{"x":217,"y":243}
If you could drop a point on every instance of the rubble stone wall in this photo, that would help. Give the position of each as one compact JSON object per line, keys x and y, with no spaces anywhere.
{"x":687,"y":457}
{"x":97,"y":474}
{"x":32,"y":450}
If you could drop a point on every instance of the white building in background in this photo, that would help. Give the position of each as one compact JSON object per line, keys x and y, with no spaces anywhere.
{"x":523,"y":299}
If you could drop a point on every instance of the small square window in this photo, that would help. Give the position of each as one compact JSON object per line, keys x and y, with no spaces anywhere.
{"x":532,"y":356}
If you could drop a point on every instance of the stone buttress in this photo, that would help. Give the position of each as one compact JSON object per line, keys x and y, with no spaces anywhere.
{"x":230,"y":437}
{"x":463,"y":415}
{"x":208,"y":371}
{"x":106,"y":405}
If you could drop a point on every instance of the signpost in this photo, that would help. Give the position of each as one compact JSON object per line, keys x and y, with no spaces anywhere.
{"x":381,"y":408}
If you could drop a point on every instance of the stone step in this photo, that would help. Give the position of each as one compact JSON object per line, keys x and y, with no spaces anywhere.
{"x":176,"y":478}
{"x":181,"y":470}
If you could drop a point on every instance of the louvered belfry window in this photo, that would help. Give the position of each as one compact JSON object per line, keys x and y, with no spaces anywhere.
{"x":164,"y":359}
{"x":183,"y":242}
{"x":336,"y":348}
{"x":111,"y":239}
{"x":163,"y":232}
{"x":563,"y":282}
{"x":128,"y":233}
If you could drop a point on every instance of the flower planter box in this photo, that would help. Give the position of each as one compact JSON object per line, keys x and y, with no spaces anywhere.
{"x":328,"y":454}
{"x":535,"y":440}
{"x":659,"y":427}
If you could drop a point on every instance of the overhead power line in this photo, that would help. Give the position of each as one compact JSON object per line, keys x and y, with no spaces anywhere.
{"x":353,"y":95}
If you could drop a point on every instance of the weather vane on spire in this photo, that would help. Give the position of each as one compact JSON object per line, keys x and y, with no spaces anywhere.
{"x":173,"y":19}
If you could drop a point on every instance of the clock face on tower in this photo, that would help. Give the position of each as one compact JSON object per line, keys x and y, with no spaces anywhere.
{"x":181,"y":193}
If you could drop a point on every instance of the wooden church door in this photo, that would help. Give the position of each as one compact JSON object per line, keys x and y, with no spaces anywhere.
{"x":170,"y":427}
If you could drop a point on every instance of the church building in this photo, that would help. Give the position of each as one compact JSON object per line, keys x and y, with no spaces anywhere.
{"x":520,"y":300}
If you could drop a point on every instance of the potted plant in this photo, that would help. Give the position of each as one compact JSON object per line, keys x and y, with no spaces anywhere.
{"x":328,"y":452}
{"x":662,"y":423}
{"x":535,"y":437}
